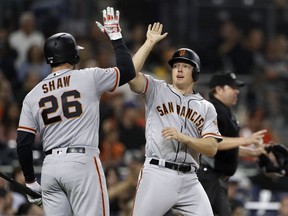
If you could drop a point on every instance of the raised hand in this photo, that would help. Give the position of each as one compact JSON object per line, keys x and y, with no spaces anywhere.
{"x":111,"y":24}
{"x":154,"y":33}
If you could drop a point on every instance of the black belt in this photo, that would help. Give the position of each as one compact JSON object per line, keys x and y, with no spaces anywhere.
{"x":178,"y":167}
{"x":68,"y":150}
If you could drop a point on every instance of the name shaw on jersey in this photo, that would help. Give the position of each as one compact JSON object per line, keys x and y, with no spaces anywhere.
{"x":188,"y":113}
{"x":61,"y":82}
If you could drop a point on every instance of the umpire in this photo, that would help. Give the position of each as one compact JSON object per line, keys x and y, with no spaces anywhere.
{"x":215,"y":172}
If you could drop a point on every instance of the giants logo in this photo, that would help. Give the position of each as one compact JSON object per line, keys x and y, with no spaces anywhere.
{"x":182,"y":52}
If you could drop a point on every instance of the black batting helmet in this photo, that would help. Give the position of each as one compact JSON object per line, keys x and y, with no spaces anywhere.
{"x":62,"y":48}
{"x":188,"y":56}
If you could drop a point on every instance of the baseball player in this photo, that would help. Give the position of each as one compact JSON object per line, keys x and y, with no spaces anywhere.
{"x":64,"y":109}
{"x":180,"y":125}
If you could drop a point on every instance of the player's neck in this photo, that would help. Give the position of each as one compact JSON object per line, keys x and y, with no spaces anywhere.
{"x":184,"y":90}
{"x":62,"y":67}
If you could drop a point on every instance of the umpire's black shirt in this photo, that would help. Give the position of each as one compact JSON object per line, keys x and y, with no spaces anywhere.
{"x":226,"y":162}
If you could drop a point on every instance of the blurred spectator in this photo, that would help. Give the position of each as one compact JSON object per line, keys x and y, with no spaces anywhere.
{"x":104,"y":56}
{"x":254,"y":43}
{"x":111,"y":106}
{"x":7,"y":57}
{"x":137,"y":37}
{"x":35,"y":61}
{"x":6,"y":95}
{"x":270,"y":85}
{"x":10,"y":121}
{"x":131,"y":134}
{"x":111,"y":149}
{"x":237,"y":205}
{"x":281,"y":12}
{"x":162,"y":70}
{"x":236,"y":49}
{"x":19,"y":197}
{"x":96,"y":37}
{"x":217,"y":55}
{"x":113,"y":180}
{"x":122,"y":190}
{"x":6,"y":201}
{"x":32,"y":78}
{"x":28,"y":209}
{"x":25,"y":37}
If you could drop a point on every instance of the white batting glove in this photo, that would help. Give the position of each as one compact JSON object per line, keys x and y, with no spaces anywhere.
{"x":111,"y":24}
{"x":37,"y":188}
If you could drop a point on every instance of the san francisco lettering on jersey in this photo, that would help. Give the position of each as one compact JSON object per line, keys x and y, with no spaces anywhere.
{"x":183,"y":111}
{"x":61,"y":82}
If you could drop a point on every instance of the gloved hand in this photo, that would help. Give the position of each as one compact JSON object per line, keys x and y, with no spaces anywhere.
{"x":276,"y":161}
{"x":111,"y":24}
{"x":37,"y":188}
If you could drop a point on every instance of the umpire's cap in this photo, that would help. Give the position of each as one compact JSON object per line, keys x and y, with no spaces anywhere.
{"x":62,"y":48}
{"x":226,"y":78}
{"x":188,"y":56}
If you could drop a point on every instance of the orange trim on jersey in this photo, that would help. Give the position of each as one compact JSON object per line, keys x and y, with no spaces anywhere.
{"x":101,"y":185}
{"x":146,"y":87}
{"x":117,"y":79}
{"x":140,"y":178}
{"x":21,"y":128}
{"x":212,"y":135}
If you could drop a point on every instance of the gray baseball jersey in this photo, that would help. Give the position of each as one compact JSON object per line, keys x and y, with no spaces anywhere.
{"x":64,"y":109}
{"x":160,"y":188}
{"x":67,"y":113}
{"x":189,"y":114}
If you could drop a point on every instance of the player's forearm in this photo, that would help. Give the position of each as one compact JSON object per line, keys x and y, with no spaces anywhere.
{"x":138,"y":83}
{"x":141,"y":55}
{"x":250,"y":151}
{"x":206,"y":146}
{"x":231,"y":142}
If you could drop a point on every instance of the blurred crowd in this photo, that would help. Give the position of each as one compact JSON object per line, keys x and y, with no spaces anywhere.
{"x":260,"y":60}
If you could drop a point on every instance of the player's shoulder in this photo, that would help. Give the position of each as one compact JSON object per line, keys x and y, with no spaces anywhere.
{"x":197,"y":96}
{"x":96,"y":71}
{"x":204,"y":101}
{"x":152,"y":79}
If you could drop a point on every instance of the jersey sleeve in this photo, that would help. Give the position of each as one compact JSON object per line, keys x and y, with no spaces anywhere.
{"x":26,"y":122}
{"x":106,"y":79}
{"x":210,"y":127}
{"x":152,"y":88}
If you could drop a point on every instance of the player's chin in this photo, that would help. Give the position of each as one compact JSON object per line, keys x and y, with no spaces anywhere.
{"x":179,"y":81}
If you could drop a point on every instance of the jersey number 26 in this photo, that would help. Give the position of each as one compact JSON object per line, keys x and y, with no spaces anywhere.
{"x":70,"y":109}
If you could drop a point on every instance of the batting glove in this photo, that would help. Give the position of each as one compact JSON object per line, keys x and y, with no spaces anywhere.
{"x":111,"y":24}
{"x":37,"y":188}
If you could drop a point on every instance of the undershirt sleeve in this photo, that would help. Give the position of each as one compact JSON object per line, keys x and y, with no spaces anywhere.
{"x":124,"y":61}
{"x":25,"y":141}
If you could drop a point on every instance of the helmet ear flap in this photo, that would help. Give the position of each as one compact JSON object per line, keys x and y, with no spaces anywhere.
{"x":195,"y":74}
{"x":77,"y":59}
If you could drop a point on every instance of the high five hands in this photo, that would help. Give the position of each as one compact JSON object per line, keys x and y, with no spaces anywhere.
{"x":110,"y":25}
{"x":154,"y":33}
